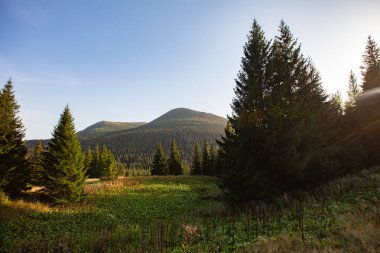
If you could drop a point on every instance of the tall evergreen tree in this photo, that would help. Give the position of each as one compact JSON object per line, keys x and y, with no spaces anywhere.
{"x":237,"y":155}
{"x":213,"y":161}
{"x":36,"y":163}
{"x":14,"y":172}
{"x":371,"y":65}
{"x":196,"y":166}
{"x":368,"y":104}
{"x":206,"y":163}
{"x":278,"y":140}
{"x":175,"y":165}
{"x":107,"y":164}
{"x":160,"y":164}
{"x":95,"y":170}
{"x":88,"y":160}
{"x":64,"y":162}
{"x":352,"y":93}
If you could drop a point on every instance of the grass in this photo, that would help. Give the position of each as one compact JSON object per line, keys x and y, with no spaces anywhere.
{"x":186,"y":214}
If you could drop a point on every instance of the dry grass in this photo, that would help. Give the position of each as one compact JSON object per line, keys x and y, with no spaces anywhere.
{"x":14,"y":209}
{"x":360,"y":232}
{"x":102,"y":186}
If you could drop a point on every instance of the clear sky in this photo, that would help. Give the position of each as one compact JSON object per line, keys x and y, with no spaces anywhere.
{"x":135,"y":60}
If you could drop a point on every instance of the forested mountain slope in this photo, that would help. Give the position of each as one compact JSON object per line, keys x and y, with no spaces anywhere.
{"x":136,"y":145}
{"x":108,"y":126}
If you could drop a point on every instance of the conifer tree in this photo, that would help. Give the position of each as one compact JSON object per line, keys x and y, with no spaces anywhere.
{"x":213,"y":161}
{"x":107,"y":164}
{"x":14,"y":172}
{"x":352,"y":93}
{"x":206,"y":165}
{"x":367,"y":108}
{"x":95,"y":170}
{"x":278,"y":139}
{"x":239,"y":150}
{"x":64,"y":162}
{"x":175,"y":165}
{"x":160,"y":164}
{"x":37,"y":165}
{"x":196,"y":166}
{"x":88,"y":160}
{"x":371,"y":65}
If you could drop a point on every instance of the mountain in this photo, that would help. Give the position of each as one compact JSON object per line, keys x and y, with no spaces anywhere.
{"x":108,"y":126}
{"x":136,"y":144}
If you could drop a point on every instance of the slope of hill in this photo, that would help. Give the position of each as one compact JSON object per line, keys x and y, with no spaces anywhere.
{"x":108,"y":126}
{"x":136,"y":146}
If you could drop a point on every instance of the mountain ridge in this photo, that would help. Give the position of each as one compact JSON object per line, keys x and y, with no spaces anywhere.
{"x":136,"y":145}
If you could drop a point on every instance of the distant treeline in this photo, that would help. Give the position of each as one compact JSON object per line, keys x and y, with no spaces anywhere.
{"x":136,"y":149}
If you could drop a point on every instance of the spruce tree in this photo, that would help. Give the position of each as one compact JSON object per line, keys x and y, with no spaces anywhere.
{"x":242,"y":149}
{"x":371,"y":66}
{"x":88,"y":160}
{"x":64,"y":162}
{"x":278,"y":139}
{"x":14,"y":171}
{"x":303,"y":154}
{"x":175,"y":165}
{"x":352,"y":93}
{"x":213,"y":161}
{"x":368,"y":104}
{"x":36,"y":163}
{"x":206,"y":165}
{"x":160,"y":164}
{"x":95,"y":170}
{"x":196,"y":166}
{"x":108,"y":165}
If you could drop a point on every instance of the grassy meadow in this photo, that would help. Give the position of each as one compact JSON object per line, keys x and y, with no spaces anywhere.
{"x":187,"y":214}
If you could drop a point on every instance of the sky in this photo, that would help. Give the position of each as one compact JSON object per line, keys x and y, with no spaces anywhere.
{"x":124,"y":60}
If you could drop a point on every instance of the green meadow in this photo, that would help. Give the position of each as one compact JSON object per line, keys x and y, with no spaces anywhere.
{"x":187,"y":214}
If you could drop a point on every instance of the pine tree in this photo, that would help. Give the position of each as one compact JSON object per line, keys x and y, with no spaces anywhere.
{"x":353,"y":92}
{"x":239,"y":150}
{"x":206,"y":165}
{"x":213,"y":161}
{"x":36,"y":163}
{"x":196,"y":166}
{"x":160,"y":164}
{"x":371,"y":66}
{"x":278,"y":136}
{"x":64,"y":162}
{"x":14,"y":172}
{"x":175,"y":165}
{"x":88,"y":161}
{"x":107,"y":164}
{"x":367,"y":108}
{"x":95,"y":170}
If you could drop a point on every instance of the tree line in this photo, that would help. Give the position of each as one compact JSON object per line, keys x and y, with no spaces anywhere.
{"x":202,"y":164}
{"x":285,"y":132}
{"x":137,"y":149}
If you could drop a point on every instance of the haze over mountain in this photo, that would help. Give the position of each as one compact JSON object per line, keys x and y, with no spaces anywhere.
{"x":134,"y":143}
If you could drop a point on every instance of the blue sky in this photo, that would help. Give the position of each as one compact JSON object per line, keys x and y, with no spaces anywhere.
{"x":135,"y":60}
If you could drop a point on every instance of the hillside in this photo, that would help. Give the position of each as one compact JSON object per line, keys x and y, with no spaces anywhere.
{"x":136,"y":146}
{"x":108,"y":126}
{"x":134,"y":143}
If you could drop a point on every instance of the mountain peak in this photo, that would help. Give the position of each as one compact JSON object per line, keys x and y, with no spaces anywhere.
{"x":185,"y":118}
